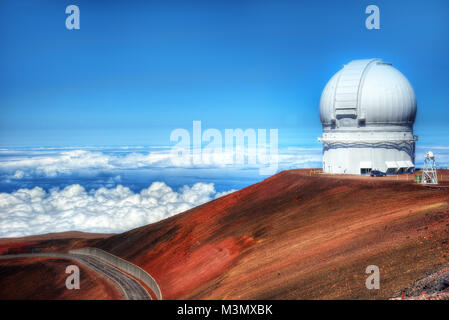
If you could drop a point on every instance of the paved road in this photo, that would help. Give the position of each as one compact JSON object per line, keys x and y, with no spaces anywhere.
{"x":131,"y":288}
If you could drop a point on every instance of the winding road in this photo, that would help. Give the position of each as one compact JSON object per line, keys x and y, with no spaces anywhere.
{"x":131,"y":288}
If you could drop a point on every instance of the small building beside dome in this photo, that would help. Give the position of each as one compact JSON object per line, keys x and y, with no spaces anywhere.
{"x":367,"y":110}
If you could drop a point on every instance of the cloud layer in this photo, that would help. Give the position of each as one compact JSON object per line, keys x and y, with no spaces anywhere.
{"x":52,"y":163}
{"x":35,"y":211}
{"x":116,"y":208}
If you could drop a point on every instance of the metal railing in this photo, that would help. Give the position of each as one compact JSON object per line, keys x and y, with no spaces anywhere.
{"x":124,"y":265}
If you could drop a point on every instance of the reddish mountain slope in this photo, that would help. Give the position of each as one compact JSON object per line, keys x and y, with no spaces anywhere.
{"x":57,"y":235}
{"x":49,"y":242}
{"x":44,"y":279}
{"x":295,"y":236}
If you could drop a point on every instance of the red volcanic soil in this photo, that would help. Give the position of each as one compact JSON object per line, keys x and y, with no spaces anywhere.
{"x":295,"y":236}
{"x":58,"y":235}
{"x":49,"y":242}
{"x":44,"y":279}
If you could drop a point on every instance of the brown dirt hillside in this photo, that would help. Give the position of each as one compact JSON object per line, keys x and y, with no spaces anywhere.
{"x":49,"y":242}
{"x":57,"y":235}
{"x":295,"y":236}
{"x":44,"y":279}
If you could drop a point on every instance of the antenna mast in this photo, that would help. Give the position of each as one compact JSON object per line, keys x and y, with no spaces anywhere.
{"x":429,"y":175}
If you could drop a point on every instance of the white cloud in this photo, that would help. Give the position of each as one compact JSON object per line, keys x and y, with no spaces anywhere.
{"x":19,"y":174}
{"x":52,"y":163}
{"x":224,"y":193}
{"x":35,"y":211}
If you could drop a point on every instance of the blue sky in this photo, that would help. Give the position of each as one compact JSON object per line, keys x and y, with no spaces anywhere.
{"x":137,"y":70}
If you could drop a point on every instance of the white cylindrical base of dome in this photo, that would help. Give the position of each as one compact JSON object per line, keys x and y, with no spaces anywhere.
{"x":361,"y":159}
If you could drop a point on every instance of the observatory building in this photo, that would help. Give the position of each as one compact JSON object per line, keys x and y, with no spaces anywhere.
{"x":367,"y":110}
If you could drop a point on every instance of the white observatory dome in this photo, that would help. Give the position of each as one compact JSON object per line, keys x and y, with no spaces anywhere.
{"x":371,"y":91}
{"x":367,"y":110}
